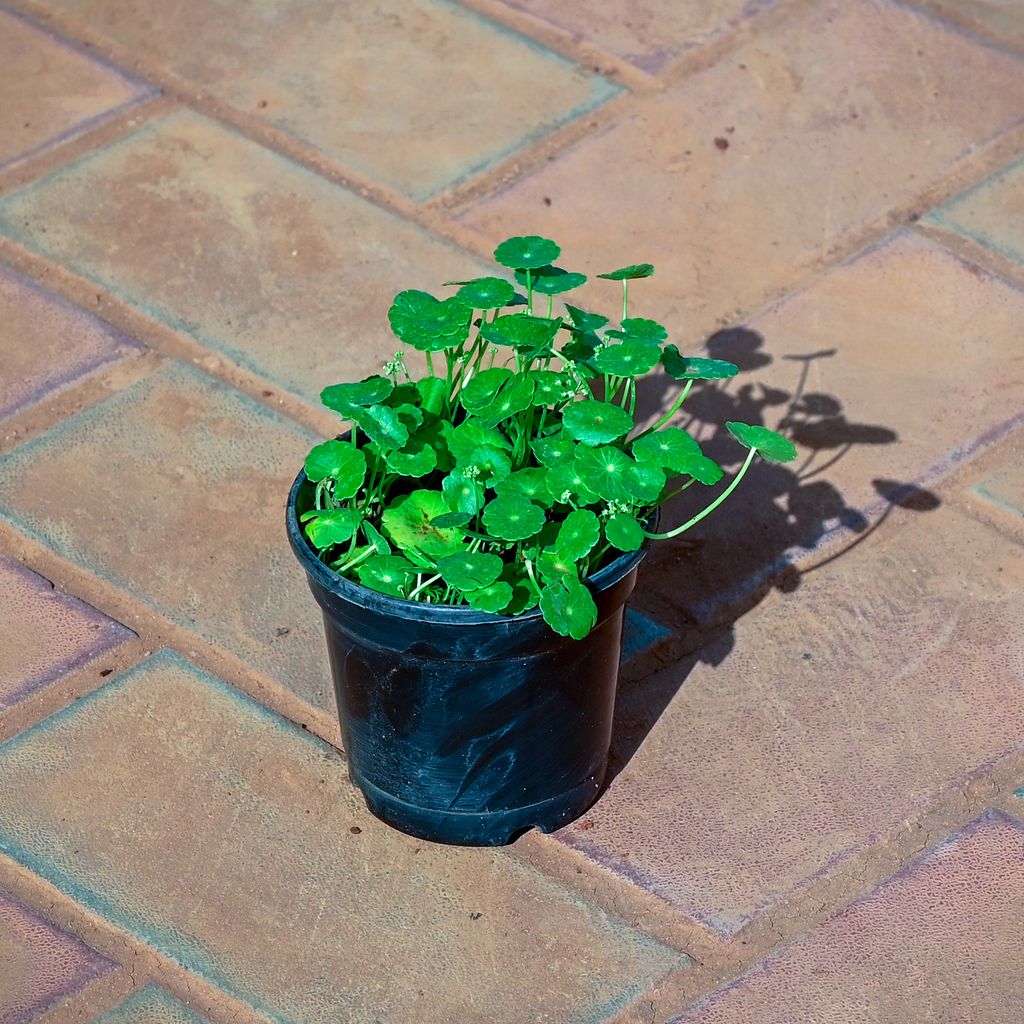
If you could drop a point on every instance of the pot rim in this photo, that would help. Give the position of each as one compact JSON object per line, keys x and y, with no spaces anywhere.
{"x":420,"y":611}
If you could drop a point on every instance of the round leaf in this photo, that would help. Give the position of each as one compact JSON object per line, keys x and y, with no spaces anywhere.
{"x":670,"y":447}
{"x":578,"y":534}
{"x":342,"y":397}
{"x":564,"y":481}
{"x":462,"y":493}
{"x":680,"y":367}
{"x":624,"y":532}
{"x":531,"y":483}
{"x":584,"y":321}
{"x":512,"y":517}
{"x":629,"y":359}
{"x":522,"y":331}
{"x":512,"y":399}
{"x":645,"y":482}
{"x":568,"y":608}
{"x":592,"y":422}
{"x":429,"y":324}
{"x":469,"y":570}
{"x":408,"y":524}
{"x":553,"y":565}
{"x":471,"y":434}
{"x":552,"y":451}
{"x":550,"y":387}
{"x":388,"y":574}
{"x":484,"y":387}
{"x":767,"y":443}
{"x":333,"y":526}
{"x":552,"y":280}
{"x":383,"y":424}
{"x":529,"y":252}
{"x":606,"y":471}
{"x":412,"y":463}
{"x":340,"y":462}
{"x":636,"y":328}
{"x":432,"y":392}
{"x":630,"y":273}
{"x":486,"y":293}
{"x":494,"y":598}
{"x":491,"y":464}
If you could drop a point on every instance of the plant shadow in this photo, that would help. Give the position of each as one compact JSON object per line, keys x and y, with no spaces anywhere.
{"x":703,"y":582}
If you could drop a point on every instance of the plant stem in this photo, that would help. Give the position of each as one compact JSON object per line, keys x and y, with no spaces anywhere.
{"x":533,"y":580}
{"x":355,"y":561}
{"x":711,"y":508}
{"x":625,"y":297}
{"x":664,"y":419}
{"x":430,"y":365}
{"x":421,"y":586}
{"x":529,"y":290}
{"x":551,"y":306}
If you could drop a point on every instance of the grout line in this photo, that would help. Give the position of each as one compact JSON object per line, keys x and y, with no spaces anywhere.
{"x":965,"y":24}
{"x":95,"y":999}
{"x":974,"y":252}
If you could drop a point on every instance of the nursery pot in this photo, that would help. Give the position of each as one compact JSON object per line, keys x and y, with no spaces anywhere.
{"x":462,"y":726}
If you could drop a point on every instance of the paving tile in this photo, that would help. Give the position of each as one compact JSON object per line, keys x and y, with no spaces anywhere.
{"x":40,"y":966}
{"x":828,"y":120}
{"x":647,"y":33}
{"x":288,"y":895}
{"x":415,"y":94}
{"x":862,"y":368}
{"x":46,"y":633}
{"x":990,"y":213}
{"x":48,"y":343}
{"x":1003,"y":17}
{"x":270,"y":264}
{"x":833,"y":714}
{"x":1005,"y":489}
{"x":939,"y":942}
{"x":151,"y":1005}
{"x":174,"y":489}
{"x":52,"y":91}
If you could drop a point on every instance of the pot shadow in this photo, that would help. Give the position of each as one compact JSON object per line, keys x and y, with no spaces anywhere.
{"x":704,"y":581}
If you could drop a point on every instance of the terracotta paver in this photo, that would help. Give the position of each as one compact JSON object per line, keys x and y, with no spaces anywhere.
{"x":40,"y":965}
{"x":828,"y":120}
{"x":843,"y":709}
{"x":52,"y":91}
{"x":177,"y":450}
{"x":1005,"y":489}
{"x":834,"y":366}
{"x":940,"y":942}
{"x":989,"y":213}
{"x":47,"y":343}
{"x":246,"y":251}
{"x":45,"y":633}
{"x":286,"y":893}
{"x":647,"y":33}
{"x":1003,"y":18}
{"x":327,"y":75}
{"x":150,"y":1006}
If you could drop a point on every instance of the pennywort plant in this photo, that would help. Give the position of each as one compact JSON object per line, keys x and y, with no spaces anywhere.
{"x":513,"y":470}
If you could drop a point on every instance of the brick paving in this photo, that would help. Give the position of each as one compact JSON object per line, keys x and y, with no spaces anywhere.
{"x":818,"y":764}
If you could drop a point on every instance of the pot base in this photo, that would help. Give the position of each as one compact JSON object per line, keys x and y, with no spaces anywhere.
{"x":485,"y":828}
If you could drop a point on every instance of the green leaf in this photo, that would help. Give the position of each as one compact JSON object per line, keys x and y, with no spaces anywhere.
{"x":524,"y":596}
{"x":462,"y":493}
{"x":375,"y":540}
{"x":767,"y":443}
{"x":342,"y":397}
{"x":432,"y":391}
{"x":492,"y":464}
{"x":512,"y":517}
{"x":384,"y":425}
{"x":670,"y":447}
{"x":628,"y":359}
{"x":333,"y":526}
{"x":388,"y":574}
{"x":449,"y":519}
{"x":469,"y":570}
{"x":415,"y":462}
{"x":550,"y":387}
{"x":408,"y":524}
{"x":471,"y":434}
{"x":645,"y":482}
{"x":527,"y":252}
{"x":522,"y":331}
{"x":568,"y":608}
{"x":624,"y":532}
{"x":429,"y":324}
{"x":578,"y":534}
{"x":636,"y":328}
{"x":552,"y":280}
{"x":511,"y":400}
{"x":553,"y":565}
{"x":555,"y":450}
{"x":584,"y":321}
{"x":494,"y":598}
{"x":680,"y":367}
{"x":484,"y":387}
{"x":592,"y":422}
{"x":630,"y":273}
{"x":565,"y":478}
{"x":340,"y":462}
{"x":703,"y":470}
{"x":530,"y":483}
{"x":606,"y":472}
{"x":485,"y":292}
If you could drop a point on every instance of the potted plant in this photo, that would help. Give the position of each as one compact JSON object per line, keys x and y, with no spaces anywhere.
{"x":473,"y":537}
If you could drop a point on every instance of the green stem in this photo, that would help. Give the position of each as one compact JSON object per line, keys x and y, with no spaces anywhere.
{"x":430,"y":365}
{"x":551,"y":306}
{"x":733,"y":484}
{"x":678,"y":490}
{"x":664,"y":419}
{"x":625,"y":297}
{"x":421,"y":586}
{"x":533,"y":580}
{"x":355,"y":561}
{"x":529,"y":290}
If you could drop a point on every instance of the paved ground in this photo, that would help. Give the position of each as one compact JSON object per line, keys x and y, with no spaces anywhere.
{"x":205,"y":209}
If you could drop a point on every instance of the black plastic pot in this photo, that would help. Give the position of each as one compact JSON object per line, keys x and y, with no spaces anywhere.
{"x":462,"y":726}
